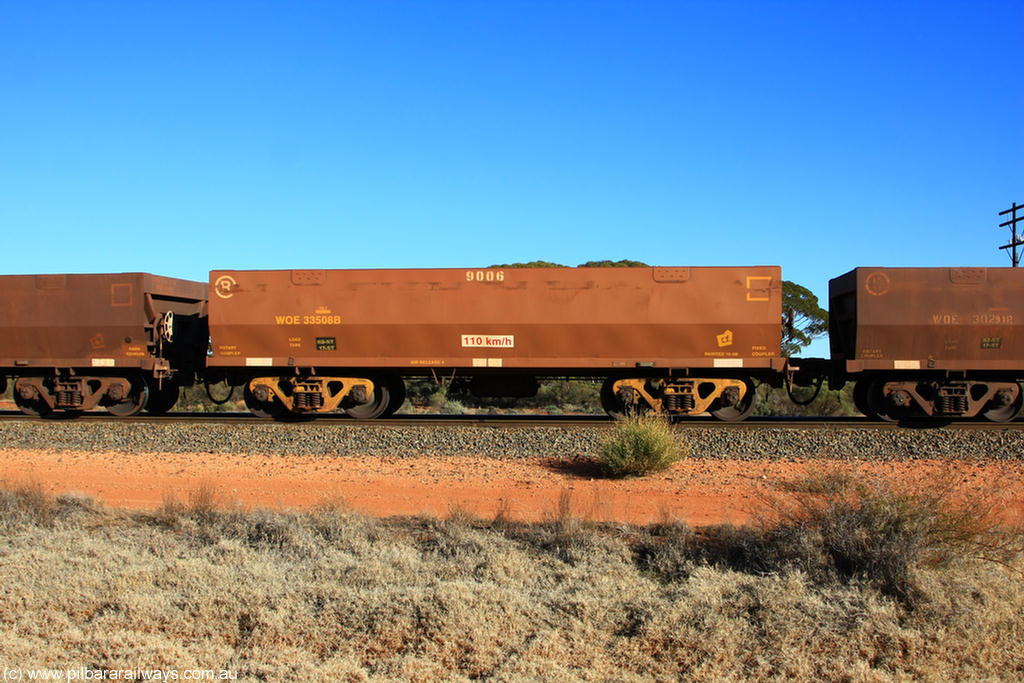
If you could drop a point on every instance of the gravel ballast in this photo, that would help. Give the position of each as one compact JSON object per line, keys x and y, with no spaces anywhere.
{"x":747,"y":442}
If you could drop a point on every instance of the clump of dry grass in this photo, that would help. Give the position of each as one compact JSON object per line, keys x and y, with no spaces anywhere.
{"x":331,"y":594}
{"x":26,"y":503}
{"x":640,"y":445}
{"x":871,"y":528}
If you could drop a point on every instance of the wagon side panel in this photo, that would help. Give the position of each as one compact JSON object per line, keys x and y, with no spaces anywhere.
{"x":532,"y":318}
{"x":958,"y":319}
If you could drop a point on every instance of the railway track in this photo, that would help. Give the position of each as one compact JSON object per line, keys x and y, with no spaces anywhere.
{"x":517,"y":438}
{"x":502,"y":421}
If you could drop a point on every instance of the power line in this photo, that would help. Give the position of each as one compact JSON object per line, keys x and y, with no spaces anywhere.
{"x":1015,"y":241}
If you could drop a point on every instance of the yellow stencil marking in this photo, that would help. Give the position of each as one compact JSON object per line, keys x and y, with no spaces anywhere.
{"x":759,"y":287}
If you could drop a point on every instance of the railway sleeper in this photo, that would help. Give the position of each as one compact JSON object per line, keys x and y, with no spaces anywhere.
{"x":899,"y":399}
{"x":727,"y":399}
{"x":307,"y":394}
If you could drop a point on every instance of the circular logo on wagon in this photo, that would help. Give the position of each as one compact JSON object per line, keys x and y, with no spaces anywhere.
{"x":877,"y":283}
{"x":224,"y":285}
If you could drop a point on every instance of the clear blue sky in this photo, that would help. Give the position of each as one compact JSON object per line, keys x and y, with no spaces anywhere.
{"x":180,"y":137}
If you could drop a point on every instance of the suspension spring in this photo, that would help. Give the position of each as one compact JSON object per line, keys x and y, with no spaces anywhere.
{"x":69,"y":398}
{"x":308,"y":400}
{"x":951,"y":401}
{"x":678,"y":402}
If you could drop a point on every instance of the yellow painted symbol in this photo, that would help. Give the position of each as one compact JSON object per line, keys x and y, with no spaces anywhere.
{"x":759,"y":288}
{"x":224,"y":285}
{"x":724,"y":339}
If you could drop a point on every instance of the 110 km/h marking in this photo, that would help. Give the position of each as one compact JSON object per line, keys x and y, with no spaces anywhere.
{"x":494,"y":341}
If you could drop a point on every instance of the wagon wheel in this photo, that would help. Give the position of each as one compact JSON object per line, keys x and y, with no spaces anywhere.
{"x":396,"y":387}
{"x":163,"y":399}
{"x":33,"y":405}
{"x":134,"y":403}
{"x":377,"y":405}
{"x":271,"y":409}
{"x":885,"y":407}
{"x":860,"y":398}
{"x":33,"y":408}
{"x":742,"y":409}
{"x":612,"y":404}
{"x":1007,"y":412}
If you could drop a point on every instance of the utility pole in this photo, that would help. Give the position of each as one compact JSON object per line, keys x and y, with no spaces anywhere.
{"x":1015,"y":240}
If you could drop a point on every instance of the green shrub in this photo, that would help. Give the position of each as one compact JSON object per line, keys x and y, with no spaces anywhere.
{"x":442,"y":402}
{"x":828,"y":402}
{"x":194,"y":399}
{"x":570,"y":395}
{"x":640,"y":445}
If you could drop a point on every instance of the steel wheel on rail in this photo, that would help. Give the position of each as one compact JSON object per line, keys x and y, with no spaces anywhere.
{"x":860,"y":398}
{"x":267,"y":410}
{"x":162,"y":399}
{"x":893,"y":406}
{"x":741,"y":409}
{"x":28,"y":400}
{"x":376,"y":406}
{"x":396,"y":387}
{"x":134,"y":403}
{"x":612,"y":404}
{"x":1006,"y":410}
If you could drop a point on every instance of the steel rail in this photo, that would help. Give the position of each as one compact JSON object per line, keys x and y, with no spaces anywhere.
{"x":599,"y":421}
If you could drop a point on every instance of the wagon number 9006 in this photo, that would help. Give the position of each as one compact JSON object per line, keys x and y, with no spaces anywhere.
{"x":485,"y":276}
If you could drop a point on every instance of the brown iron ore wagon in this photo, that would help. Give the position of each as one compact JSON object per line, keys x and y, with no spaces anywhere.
{"x":677,"y":340}
{"x":936,"y":342}
{"x":123,"y":341}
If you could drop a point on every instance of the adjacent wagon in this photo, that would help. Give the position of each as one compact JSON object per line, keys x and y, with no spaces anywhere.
{"x":123,"y":341}
{"x":936,"y":342}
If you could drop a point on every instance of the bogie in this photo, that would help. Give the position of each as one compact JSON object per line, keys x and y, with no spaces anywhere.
{"x":728,"y":399}
{"x":305,"y":396}
{"x":904,"y":398}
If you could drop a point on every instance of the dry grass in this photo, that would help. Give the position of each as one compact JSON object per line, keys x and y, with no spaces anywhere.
{"x":332,"y":595}
{"x":26,"y":503}
{"x":857,"y":527}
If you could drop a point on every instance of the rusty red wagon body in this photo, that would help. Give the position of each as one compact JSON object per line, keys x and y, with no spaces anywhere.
{"x":680,"y":339}
{"x":935,"y":342}
{"x":932,"y":341}
{"x":124,"y":341}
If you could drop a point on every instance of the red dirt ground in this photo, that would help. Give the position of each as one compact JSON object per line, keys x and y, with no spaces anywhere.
{"x":698,"y":491}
